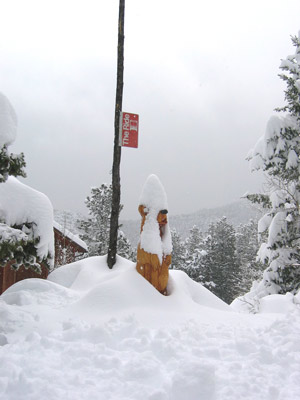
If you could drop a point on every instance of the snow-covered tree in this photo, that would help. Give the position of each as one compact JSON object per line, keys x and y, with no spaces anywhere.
{"x":211,"y":258}
{"x":124,"y":247}
{"x":178,"y":252}
{"x":277,"y":154}
{"x":30,"y":212}
{"x":193,"y":241}
{"x":222,"y":272}
{"x":10,"y":164}
{"x":96,"y":227}
{"x":26,"y":216}
{"x":194,"y":254}
{"x":247,"y":246}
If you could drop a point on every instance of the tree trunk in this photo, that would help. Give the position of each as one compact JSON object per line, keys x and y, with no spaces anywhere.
{"x":116,"y":186}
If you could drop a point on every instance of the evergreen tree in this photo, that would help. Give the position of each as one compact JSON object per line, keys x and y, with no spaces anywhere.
{"x":124,"y":247}
{"x":96,"y":227}
{"x":14,"y":243}
{"x":277,"y":154}
{"x":178,"y":252}
{"x":17,"y":242}
{"x":11,"y":164}
{"x":207,"y":265}
{"x":247,"y":246}
{"x":193,"y":241}
{"x":194,"y":253}
{"x":222,"y":272}
{"x":18,"y":245}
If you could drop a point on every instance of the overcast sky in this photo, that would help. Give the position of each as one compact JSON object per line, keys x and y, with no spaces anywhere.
{"x":202,"y":75}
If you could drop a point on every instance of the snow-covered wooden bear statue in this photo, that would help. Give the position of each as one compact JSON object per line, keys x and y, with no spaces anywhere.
{"x":155,"y":245}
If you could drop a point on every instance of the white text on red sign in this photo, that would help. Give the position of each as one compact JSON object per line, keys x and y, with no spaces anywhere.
{"x":129,"y":129}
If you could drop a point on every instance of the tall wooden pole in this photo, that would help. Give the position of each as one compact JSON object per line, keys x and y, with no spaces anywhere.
{"x":116,"y":186}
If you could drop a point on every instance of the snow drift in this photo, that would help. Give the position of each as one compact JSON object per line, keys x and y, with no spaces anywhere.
{"x":90,"y":333}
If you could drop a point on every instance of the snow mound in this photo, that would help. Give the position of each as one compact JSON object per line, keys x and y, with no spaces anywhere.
{"x":258,"y":300}
{"x":8,"y":122}
{"x":90,"y":333}
{"x":21,"y":204}
{"x":106,"y":293}
{"x":278,"y":303}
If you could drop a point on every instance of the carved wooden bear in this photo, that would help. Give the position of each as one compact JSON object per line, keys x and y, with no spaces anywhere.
{"x":154,"y":267}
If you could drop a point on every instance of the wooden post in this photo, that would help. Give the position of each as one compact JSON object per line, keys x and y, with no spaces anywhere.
{"x":116,"y":186}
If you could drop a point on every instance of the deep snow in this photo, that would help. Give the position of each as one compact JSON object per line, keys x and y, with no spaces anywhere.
{"x":93,"y":333}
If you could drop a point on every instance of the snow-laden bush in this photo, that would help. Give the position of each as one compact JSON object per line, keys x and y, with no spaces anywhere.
{"x":26,"y":215}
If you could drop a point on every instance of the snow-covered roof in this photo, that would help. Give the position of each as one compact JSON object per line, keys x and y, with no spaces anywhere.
{"x":76,"y":239}
{"x":21,"y":204}
{"x":8,"y":122}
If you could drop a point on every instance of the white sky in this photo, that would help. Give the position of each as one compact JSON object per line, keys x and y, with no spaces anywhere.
{"x":201,"y":75}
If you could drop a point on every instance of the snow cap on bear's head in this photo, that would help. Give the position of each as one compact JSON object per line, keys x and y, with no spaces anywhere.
{"x":8,"y":122}
{"x":153,"y":194}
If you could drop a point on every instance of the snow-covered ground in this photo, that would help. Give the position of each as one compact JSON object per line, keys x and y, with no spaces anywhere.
{"x":93,"y":333}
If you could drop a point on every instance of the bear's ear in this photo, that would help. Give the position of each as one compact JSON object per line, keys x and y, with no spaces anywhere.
{"x":143,"y":210}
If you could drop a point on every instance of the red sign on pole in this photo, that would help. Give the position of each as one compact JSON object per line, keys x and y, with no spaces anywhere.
{"x":129,"y":130}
